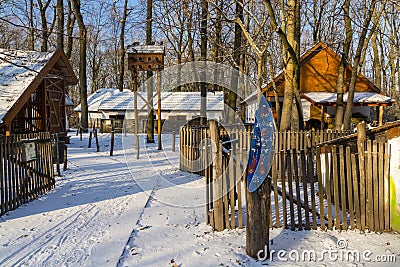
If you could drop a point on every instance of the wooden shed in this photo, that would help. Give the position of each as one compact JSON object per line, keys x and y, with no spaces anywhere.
{"x":318,"y":76}
{"x":32,"y":91}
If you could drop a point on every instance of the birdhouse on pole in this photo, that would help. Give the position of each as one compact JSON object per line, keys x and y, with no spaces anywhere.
{"x":145,"y":57}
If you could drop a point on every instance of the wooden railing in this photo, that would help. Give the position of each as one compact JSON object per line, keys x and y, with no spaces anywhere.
{"x":327,"y":186}
{"x":336,"y":188}
{"x":21,"y":180}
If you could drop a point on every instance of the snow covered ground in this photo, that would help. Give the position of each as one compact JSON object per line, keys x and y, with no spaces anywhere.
{"x":120,"y":211}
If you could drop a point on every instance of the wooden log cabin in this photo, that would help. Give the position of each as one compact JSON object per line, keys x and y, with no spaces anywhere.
{"x":318,"y":75}
{"x":33,"y":91}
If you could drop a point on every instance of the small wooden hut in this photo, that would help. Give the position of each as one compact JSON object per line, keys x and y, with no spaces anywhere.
{"x":32,"y":91}
{"x":318,"y":77}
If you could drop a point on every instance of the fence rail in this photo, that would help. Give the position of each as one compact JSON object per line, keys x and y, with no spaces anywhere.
{"x":20,"y":180}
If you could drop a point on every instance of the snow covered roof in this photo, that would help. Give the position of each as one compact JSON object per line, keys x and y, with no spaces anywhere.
{"x":18,"y":70}
{"x":364,"y":98}
{"x":145,"y":49}
{"x":112,"y":99}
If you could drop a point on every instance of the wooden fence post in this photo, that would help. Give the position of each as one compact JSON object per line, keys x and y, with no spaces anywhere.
{"x":258,"y":220}
{"x":361,"y":136}
{"x":217,"y":177}
{"x":173,"y":141}
{"x":90,"y":140}
{"x":97,"y":141}
{"x":112,"y":143}
{"x":65,"y":157}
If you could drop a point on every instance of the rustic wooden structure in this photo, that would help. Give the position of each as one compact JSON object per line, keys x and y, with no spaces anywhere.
{"x":318,"y":77}
{"x":318,"y":179}
{"x":22,"y":177}
{"x":146,"y":58}
{"x":33,"y":88}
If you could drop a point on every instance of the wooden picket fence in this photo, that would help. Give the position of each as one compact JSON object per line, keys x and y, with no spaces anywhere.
{"x":227,"y":212}
{"x":197,"y":155}
{"x":335,"y":188}
{"x":22,"y":181}
{"x":304,"y":139}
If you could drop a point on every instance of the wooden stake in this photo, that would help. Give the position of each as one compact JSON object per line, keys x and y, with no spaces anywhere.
{"x":134,"y":77}
{"x":173,"y":141}
{"x":112,"y":143}
{"x":159,"y":109}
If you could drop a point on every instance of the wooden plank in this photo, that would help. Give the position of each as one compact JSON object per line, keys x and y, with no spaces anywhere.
{"x":381,"y":183}
{"x":350,"y":186}
{"x":283,"y":177}
{"x":295,"y":157}
{"x":386,"y":178}
{"x":336,"y":188}
{"x":370,"y":196}
{"x":240,"y":171}
{"x":310,"y":176}
{"x":361,"y":170}
{"x":10,"y":175}
{"x":375,"y":185}
{"x":232,"y":187}
{"x":207,"y":185}
{"x":343,"y":187}
{"x":305,"y":190}
{"x":225,"y":189}
{"x":2,"y":181}
{"x":320,"y":189}
{"x":290,"y":186}
{"x":328,"y":187}
{"x":275,"y":183}
{"x":356,"y":198}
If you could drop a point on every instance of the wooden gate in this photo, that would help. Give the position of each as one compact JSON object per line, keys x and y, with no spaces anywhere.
{"x":21,"y":179}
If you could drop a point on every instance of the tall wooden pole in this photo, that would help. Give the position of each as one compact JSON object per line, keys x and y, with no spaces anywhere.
{"x":159,"y":109}
{"x":134,"y":74}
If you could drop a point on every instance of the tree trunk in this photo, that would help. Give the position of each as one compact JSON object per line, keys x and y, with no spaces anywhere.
{"x":121,"y":61}
{"x":361,"y":45}
{"x":31,"y":39}
{"x":60,"y":24}
{"x":203,"y":57}
{"x":340,"y":85}
{"x":43,"y":17}
{"x":70,"y":29}
{"x":149,"y":85}
{"x":76,"y":4}
{"x":298,"y":121}
{"x":288,"y":108}
{"x":237,"y":53}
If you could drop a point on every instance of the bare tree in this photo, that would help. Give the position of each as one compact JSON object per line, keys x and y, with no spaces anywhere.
{"x":60,"y":24}
{"x":76,"y":4}
{"x":203,"y":57}
{"x":340,"y":86}
{"x":356,"y":68}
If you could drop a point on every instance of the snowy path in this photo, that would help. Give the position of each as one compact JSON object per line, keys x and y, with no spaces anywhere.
{"x":91,"y":209}
{"x":120,"y":211}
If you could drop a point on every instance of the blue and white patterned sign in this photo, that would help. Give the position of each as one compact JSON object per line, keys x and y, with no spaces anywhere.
{"x":262,"y":146}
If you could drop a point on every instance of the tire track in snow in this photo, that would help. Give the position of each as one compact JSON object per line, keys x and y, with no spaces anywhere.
{"x":126,"y":249}
{"x":41,"y":241}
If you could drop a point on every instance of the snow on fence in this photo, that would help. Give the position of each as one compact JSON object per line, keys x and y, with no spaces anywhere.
{"x":327,"y":186}
{"x":26,"y":168}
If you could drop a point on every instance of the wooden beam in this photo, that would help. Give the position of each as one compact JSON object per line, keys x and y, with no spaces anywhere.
{"x":380,"y":119}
